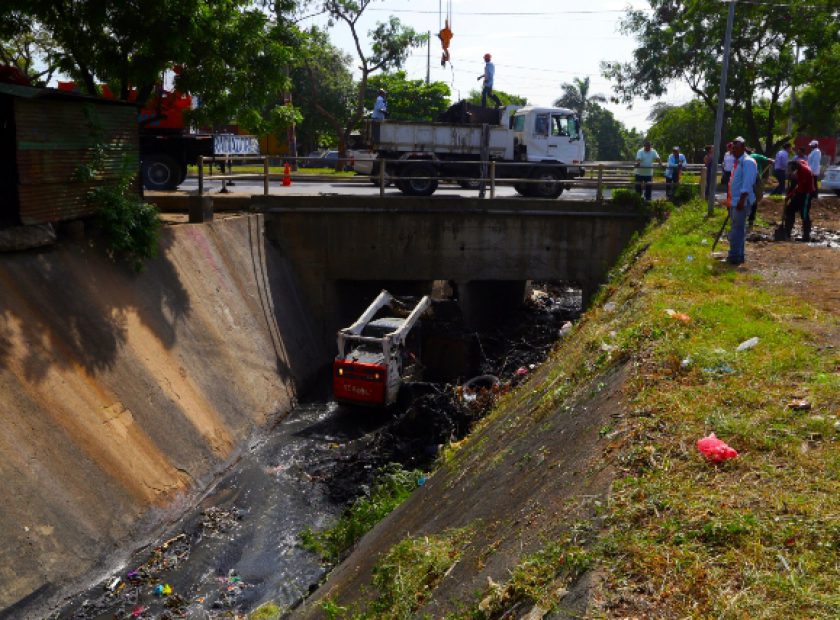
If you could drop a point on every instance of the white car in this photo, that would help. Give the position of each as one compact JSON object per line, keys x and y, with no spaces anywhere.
{"x":831,"y":179}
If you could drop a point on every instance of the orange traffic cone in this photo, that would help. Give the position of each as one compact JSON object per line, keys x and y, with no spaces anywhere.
{"x":287,"y":177}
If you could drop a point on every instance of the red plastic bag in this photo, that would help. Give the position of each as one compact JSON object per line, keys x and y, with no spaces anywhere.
{"x":715,"y":450}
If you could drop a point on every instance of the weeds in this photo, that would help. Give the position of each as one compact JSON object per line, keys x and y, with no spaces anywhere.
{"x":392,"y":486}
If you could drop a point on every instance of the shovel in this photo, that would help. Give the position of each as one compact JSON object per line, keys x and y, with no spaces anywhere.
{"x":720,"y":232}
{"x":779,"y":233}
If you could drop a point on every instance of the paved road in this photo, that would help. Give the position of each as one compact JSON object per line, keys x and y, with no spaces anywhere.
{"x":365,"y":188}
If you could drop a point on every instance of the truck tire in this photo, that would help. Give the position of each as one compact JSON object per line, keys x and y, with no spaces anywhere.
{"x":550,"y":186}
{"x":161,"y":172}
{"x":419,"y":187}
{"x":521,"y":189}
{"x":470,"y":184}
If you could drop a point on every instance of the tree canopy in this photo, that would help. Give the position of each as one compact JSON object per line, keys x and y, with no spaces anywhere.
{"x":505,"y":98}
{"x":409,"y":100}
{"x":682,"y":41}
{"x":576,"y":97}
{"x":607,"y":139}
{"x":388,"y":46}
{"x":230,"y":54}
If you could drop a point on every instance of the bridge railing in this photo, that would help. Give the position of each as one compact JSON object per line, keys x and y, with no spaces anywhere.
{"x":602,"y":176}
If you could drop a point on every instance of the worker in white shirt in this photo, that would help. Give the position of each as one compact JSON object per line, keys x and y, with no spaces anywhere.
{"x":814,"y":163}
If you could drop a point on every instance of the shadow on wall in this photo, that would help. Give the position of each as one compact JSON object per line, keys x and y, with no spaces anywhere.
{"x":72,"y":316}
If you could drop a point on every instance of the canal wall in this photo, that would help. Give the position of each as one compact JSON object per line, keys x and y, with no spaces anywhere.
{"x":122,"y":395}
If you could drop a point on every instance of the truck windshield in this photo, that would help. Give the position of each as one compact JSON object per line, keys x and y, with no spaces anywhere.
{"x":563,"y":126}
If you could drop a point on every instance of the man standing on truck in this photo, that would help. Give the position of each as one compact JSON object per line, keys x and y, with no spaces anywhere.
{"x":380,"y":107}
{"x":487,"y":76}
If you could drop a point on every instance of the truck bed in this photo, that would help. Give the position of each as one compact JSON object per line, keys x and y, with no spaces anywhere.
{"x":440,"y":138}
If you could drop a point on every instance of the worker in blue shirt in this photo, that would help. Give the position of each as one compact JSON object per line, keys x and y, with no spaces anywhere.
{"x":676,"y":164}
{"x":741,"y":200}
{"x":487,"y":76}
{"x":380,"y":107}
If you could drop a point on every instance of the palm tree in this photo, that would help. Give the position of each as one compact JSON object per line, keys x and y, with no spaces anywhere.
{"x":576,"y":96}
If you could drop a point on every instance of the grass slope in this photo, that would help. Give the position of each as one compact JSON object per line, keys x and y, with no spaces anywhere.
{"x":677,"y":537}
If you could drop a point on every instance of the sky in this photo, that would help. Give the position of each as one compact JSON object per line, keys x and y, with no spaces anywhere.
{"x":536,"y":45}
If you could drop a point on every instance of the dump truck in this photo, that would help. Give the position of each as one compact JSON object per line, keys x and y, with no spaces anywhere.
{"x":535,"y":148}
{"x":374,"y":353}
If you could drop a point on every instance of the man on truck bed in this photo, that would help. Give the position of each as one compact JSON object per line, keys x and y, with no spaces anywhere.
{"x":487,"y":76}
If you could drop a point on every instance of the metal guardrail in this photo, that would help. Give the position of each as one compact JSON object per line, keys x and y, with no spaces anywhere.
{"x":604,"y":175}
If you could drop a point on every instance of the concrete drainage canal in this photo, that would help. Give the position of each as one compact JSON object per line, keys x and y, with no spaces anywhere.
{"x":240,"y":547}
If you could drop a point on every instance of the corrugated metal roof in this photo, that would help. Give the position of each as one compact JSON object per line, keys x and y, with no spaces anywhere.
{"x":55,"y":136}
{"x":31,"y":92}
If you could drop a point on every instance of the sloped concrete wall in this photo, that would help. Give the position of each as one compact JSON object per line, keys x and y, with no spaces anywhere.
{"x":122,"y":394}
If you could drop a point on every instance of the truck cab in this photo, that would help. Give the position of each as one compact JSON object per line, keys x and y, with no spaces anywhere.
{"x":547,"y":135}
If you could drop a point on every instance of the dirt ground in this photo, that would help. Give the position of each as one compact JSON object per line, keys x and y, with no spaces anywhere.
{"x":810,"y":271}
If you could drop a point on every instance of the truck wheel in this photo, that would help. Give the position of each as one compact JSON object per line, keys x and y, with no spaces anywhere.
{"x":549,"y":186}
{"x":522,"y":189}
{"x":470,"y":184}
{"x":419,"y":187}
{"x":161,"y":172}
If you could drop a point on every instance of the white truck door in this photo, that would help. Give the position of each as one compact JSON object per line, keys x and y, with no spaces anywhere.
{"x":538,"y":147}
{"x":562,"y":143}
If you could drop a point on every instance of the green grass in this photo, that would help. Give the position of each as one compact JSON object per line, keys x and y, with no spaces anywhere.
{"x":267,"y":611}
{"x":393,"y":485}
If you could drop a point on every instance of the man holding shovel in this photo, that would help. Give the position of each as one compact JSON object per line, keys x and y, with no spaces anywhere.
{"x":798,"y":200}
{"x":743,"y":197}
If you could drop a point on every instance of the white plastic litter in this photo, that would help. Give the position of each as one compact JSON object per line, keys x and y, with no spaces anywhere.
{"x":747,"y":344}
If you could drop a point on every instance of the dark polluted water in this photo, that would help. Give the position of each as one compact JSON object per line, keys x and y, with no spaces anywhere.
{"x":239,"y":547}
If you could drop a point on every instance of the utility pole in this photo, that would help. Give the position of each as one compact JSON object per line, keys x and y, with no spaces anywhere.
{"x":428,"y":55}
{"x":789,"y":129}
{"x":727,"y":42}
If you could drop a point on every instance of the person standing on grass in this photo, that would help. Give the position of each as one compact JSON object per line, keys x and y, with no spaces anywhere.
{"x":645,"y":157}
{"x":763,"y":165}
{"x":488,"y":76}
{"x":815,"y":163}
{"x":728,"y":165}
{"x":780,"y":165}
{"x":673,"y":171}
{"x":742,"y":200}
{"x":798,"y":199}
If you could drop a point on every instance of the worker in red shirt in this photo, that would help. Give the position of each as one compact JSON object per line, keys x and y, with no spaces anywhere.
{"x":798,"y":199}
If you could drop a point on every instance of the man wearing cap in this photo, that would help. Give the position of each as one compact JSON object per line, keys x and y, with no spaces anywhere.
{"x":743,"y":197}
{"x":814,"y":163}
{"x":676,"y":164}
{"x":380,"y":107}
{"x":487,"y":76}
{"x":645,"y":157}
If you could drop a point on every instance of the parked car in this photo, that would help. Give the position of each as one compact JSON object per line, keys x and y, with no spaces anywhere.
{"x":313,"y":160}
{"x":831,"y":179}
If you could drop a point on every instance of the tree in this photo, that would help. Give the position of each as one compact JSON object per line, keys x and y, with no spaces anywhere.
{"x":323,"y":90}
{"x":682,"y":40}
{"x":607,"y":139}
{"x":576,"y":97}
{"x":409,"y":100}
{"x":688,"y":126}
{"x":28,"y":51}
{"x":390,"y":43}
{"x":505,"y":98}
{"x":231,"y":56}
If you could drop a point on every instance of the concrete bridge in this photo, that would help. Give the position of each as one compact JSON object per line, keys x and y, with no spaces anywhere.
{"x":488,"y":247}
